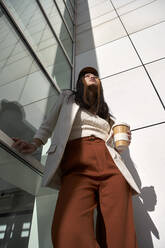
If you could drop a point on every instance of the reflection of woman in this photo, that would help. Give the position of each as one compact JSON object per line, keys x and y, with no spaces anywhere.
{"x":82,"y":144}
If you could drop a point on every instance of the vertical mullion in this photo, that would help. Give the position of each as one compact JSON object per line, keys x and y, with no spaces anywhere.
{"x":68,"y":11}
{"x":63,"y":20}
{"x":74,"y":52}
{"x":52,"y":29}
{"x":72,"y":6}
{"x":29,"y":47}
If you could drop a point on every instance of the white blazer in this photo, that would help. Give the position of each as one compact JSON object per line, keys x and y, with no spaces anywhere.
{"x":59,"y":123}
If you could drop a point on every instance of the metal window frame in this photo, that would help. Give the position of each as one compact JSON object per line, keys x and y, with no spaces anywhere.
{"x":20,"y":158}
{"x":18,"y":30}
{"x":72,"y":5}
{"x":66,"y":6}
{"x":67,"y":11}
{"x":74,"y":51}
{"x":63,"y":19}
{"x":52,"y":29}
{"x":29,"y":47}
{"x":20,"y":34}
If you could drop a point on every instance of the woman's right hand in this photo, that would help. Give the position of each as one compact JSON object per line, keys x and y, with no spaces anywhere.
{"x":23,"y":146}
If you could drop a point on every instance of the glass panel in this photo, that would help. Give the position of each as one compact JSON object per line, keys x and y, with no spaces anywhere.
{"x":73,"y":4}
{"x":24,"y":89}
{"x":62,"y":71}
{"x":70,"y":8}
{"x":16,"y":208}
{"x":36,"y":30}
{"x":20,"y":172}
{"x":58,"y":25}
{"x":65,"y":14}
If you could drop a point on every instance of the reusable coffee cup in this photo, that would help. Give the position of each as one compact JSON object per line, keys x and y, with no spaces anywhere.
{"x":120,"y":135}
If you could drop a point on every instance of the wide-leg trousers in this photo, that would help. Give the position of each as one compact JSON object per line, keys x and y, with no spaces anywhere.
{"x":90,"y":178}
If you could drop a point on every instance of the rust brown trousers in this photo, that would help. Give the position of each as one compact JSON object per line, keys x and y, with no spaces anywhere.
{"x":90,"y":178}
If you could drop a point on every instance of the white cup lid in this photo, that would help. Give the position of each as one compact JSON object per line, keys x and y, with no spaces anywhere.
{"x":120,"y":123}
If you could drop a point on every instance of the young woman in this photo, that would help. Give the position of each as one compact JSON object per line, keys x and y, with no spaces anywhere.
{"x":86,"y":168}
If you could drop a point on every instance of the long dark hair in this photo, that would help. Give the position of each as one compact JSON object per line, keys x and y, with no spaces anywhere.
{"x":102,"y":110}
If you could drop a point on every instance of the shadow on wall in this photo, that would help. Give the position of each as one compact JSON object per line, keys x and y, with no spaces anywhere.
{"x":143,"y":203}
{"x":84,"y":37}
{"x":147,"y":200}
{"x":14,"y":124}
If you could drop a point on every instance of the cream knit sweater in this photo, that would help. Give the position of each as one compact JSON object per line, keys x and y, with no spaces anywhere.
{"x":87,"y":124}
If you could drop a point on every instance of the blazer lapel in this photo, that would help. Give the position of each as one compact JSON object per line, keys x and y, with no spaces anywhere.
{"x":72,"y":109}
{"x":67,"y":116}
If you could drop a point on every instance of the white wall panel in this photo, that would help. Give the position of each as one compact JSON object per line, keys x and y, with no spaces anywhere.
{"x":147,"y":155}
{"x":131,"y":98}
{"x":150,"y":42}
{"x":92,"y":3}
{"x":157,"y":73}
{"x":120,"y":3}
{"x":110,"y":58}
{"x":96,"y":22}
{"x":94,"y":12}
{"x":83,"y":5}
{"x":99,"y":35}
{"x":144,"y":16}
{"x":127,"y":5}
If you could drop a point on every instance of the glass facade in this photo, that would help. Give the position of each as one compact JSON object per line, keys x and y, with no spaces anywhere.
{"x":36,"y":62}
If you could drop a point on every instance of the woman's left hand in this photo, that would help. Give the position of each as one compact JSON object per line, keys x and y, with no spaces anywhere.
{"x":129,"y":136}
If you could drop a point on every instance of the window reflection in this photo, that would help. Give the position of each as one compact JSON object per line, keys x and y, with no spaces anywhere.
{"x":16,"y":208}
{"x":66,"y":15}
{"x":26,"y":96}
{"x":45,"y":44}
{"x":58,"y":25}
{"x":70,"y":7}
{"x":20,"y":79}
